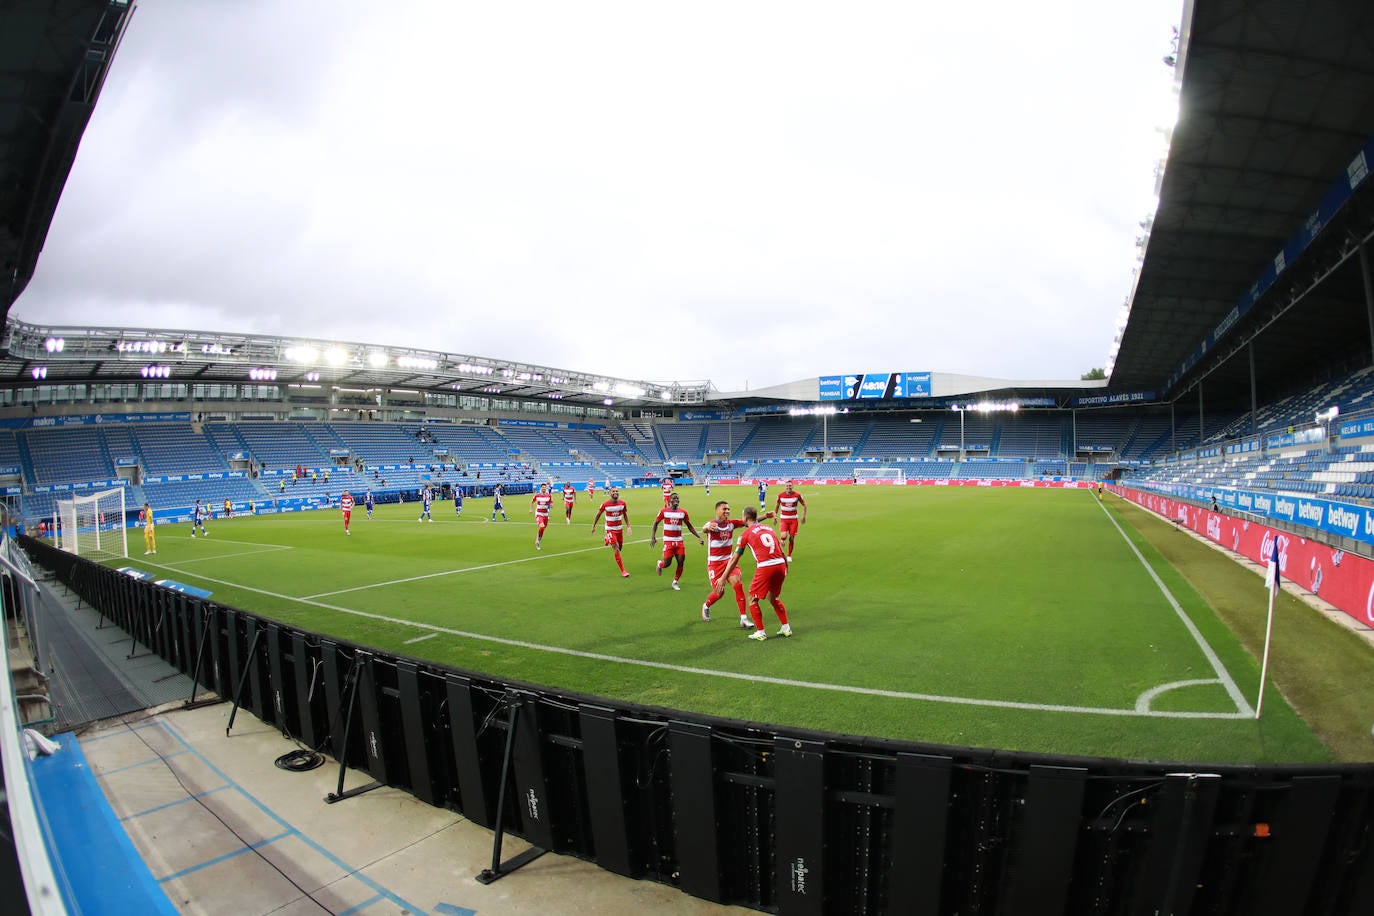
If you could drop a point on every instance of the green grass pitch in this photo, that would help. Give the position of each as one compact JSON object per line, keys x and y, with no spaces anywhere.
{"x":1027,"y":619}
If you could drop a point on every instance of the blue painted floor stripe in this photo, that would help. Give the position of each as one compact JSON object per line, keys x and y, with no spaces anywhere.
{"x":448,"y":909}
{"x":364,"y":905}
{"x":141,"y":763}
{"x":224,"y":858}
{"x":117,"y":733}
{"x":348,"y":869}
{"x":172,"y":804}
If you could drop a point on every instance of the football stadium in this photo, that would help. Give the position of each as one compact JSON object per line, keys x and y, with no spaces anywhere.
{"x":1098,"y":645}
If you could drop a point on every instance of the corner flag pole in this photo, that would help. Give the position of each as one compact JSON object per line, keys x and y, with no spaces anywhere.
{"x":1271,"y":579}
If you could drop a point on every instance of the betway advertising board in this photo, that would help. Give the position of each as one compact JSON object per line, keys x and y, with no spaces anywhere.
{"x":1338,"y":518}
{"x":1339,"y":578}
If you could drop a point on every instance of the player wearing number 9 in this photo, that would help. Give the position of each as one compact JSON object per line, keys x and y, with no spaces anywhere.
{"x":769,"y":572}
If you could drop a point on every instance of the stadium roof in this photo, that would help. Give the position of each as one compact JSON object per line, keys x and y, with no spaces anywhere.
{"x":54,"y":55}
{"x":1276,"y":102}
{"x":70,"y":355}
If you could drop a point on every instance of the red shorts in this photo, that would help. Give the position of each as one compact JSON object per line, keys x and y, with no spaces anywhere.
{"x":568,"y":506}
{"x":675,"y":549}
{"x":767,"y":581}
{"x":543,"y":522}
{"x":787,"y":526}
{"x":347,"y":514}
{"x":713,"y":571}
{"x":615,"y":539}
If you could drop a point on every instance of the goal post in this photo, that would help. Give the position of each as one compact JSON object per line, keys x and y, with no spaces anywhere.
{"x":93,"y":525}
{"x":879,"y":475}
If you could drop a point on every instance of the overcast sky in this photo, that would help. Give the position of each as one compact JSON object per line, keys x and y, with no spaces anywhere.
{"x":745,"y":192}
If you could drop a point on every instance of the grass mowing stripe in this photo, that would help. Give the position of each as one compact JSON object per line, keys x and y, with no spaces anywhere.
{"x":733,"y":675}
{"x":966,"y":616}
{"x":1225,"y":678}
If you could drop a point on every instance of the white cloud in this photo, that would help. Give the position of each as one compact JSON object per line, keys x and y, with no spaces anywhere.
{"x":761,"y":192}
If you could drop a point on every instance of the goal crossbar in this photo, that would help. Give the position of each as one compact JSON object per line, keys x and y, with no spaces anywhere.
{"x":879,"y":473}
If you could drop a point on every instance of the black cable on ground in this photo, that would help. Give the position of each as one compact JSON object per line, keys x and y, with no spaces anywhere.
{"x":299,"y":761}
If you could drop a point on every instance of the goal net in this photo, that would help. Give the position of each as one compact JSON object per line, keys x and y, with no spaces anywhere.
{"x":879,"y":475}
{"x":93,"y":526}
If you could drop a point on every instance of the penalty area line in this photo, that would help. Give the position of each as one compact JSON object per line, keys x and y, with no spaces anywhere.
{"x":234,"y":556}
{"x":436,"y":630}
{"x":455,"y":572}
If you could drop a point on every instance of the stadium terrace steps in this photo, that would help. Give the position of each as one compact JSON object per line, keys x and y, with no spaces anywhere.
{"x":177,"y":449}
{"x":120,"y":443}
{"x":226,"y":440}
{"x":9,"y":450}
{"x":69,"y":454}
{"x":281,"y":444}
{"x":776,"y":438}
{"x":682,"y":441}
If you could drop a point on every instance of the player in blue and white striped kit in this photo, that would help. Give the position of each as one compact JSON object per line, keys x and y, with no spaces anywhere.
{"x":457,"y":500}
{"x":497,"y":505}
{"x":426,"y":497}
{"x":367,"y":502}
{"x":198,"y":516}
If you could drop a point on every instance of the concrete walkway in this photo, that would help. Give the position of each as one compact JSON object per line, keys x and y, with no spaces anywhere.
{"x":223,"y":830}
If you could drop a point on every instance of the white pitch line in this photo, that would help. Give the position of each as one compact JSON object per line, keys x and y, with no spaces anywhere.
{"x":419,"y":639}
{"x":1245,"y":710}
{"x":249,"y":543}
{"x":733,"y":675}
{"x":233,"y":556}
{"x":465,"y":569}
{"x":1142,"y":702}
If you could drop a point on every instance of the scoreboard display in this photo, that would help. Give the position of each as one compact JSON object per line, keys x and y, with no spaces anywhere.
{"x":874,"y":386}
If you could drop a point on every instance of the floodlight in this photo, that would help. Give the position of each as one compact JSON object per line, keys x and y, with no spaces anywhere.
{"x":301,"y":354}
{"x":54,"y":344}
{"x":40,"y":372}
{"x":376,"y":359}
{"x":335,"y":356}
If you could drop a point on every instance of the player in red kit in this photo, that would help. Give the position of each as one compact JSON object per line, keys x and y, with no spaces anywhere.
{"x":346,"y":507}
{"x":617,"y":525}
{"x":667,"y":487}
{"x":569,"y":497}
{"x":769,"y":572}
{"x":540,"y":504}
{"x":674,"y":519}
{"x":789,"y":501}
{"x":591,"y":491}
{"x":720,"y":537}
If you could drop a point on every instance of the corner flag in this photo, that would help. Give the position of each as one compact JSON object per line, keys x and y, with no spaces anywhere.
{"x":1271,"y":576}
{"x":1273,"y":583}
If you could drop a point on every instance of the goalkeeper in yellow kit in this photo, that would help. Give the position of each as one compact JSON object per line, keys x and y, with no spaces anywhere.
{"x":149,"y":533}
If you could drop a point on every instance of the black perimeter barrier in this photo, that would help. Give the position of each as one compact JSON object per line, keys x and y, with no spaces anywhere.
{"x":777,"y":819}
